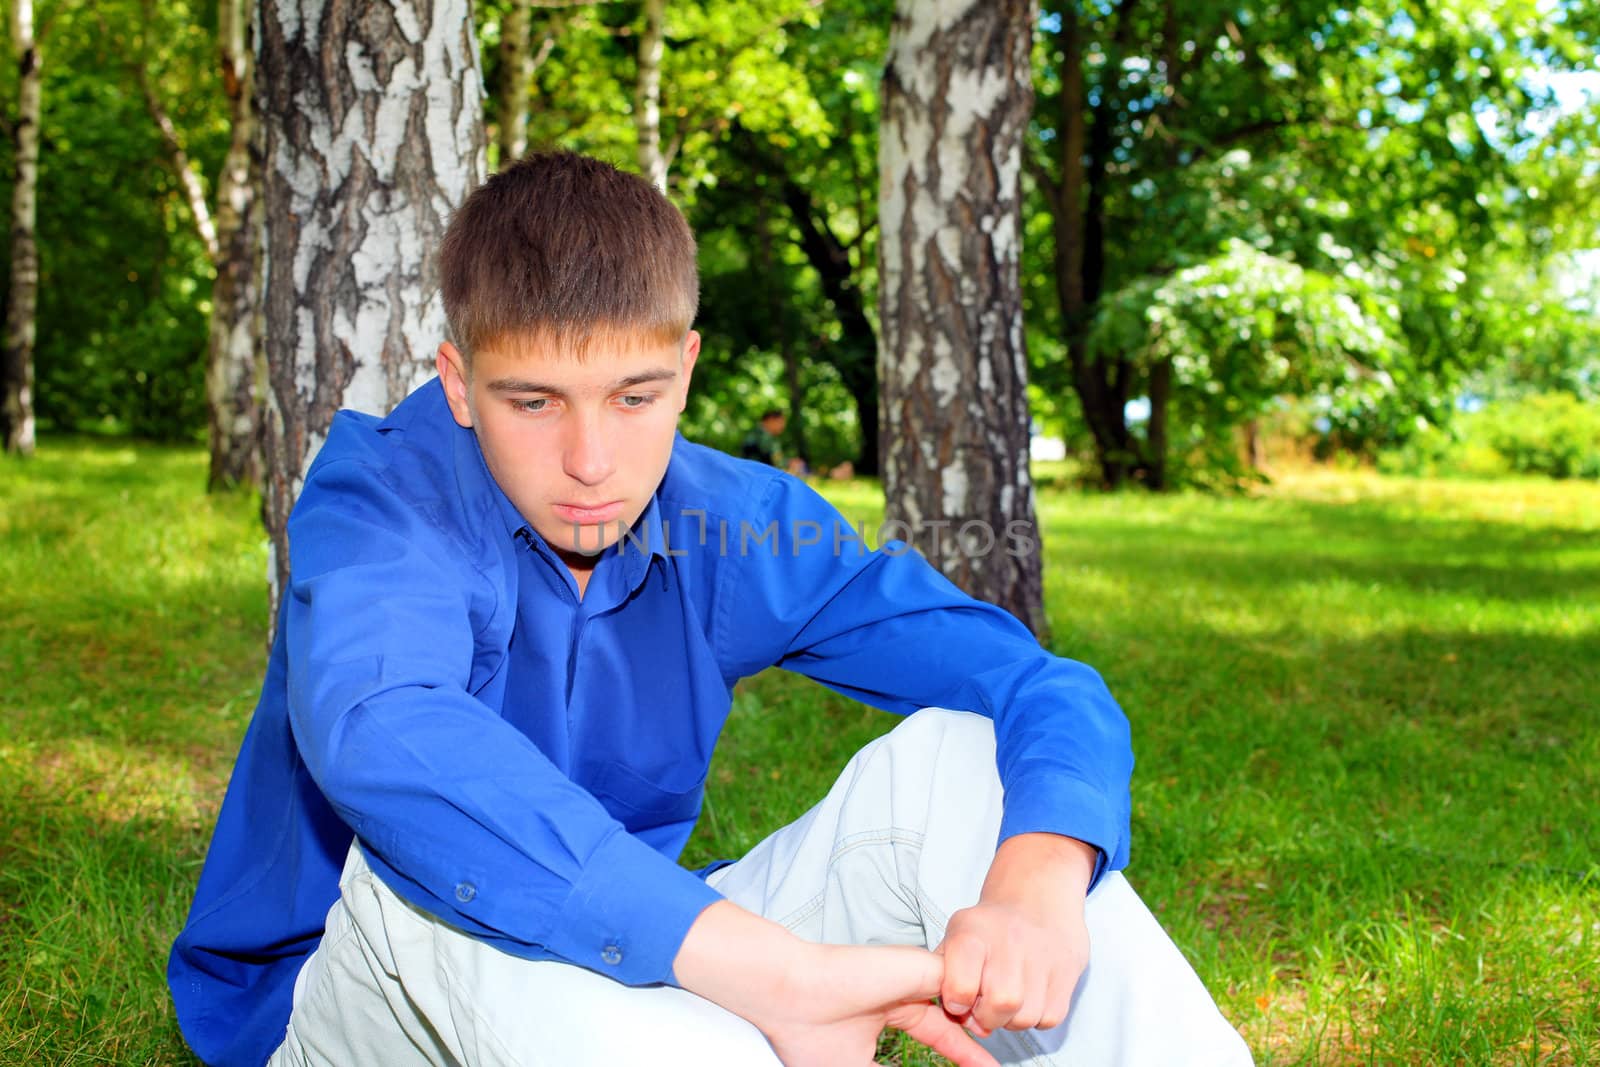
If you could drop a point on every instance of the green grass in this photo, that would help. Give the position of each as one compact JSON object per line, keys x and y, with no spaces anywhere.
{"x":1366,"y":712}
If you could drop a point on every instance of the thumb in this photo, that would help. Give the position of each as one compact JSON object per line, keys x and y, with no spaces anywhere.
{"x":931,"y":1027}
{"x":912,"y":973}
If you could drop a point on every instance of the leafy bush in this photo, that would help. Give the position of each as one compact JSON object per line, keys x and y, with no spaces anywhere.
{"x":1553,"y":434}
{"x":1547,"y":433}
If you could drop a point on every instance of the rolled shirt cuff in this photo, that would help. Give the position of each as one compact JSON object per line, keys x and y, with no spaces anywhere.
{"x":629,"y":911}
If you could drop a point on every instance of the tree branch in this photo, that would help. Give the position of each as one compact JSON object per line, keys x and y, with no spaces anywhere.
{"x":193,"y":194}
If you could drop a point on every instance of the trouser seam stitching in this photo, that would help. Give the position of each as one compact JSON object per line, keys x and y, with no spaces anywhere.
{"x":845,"y":846}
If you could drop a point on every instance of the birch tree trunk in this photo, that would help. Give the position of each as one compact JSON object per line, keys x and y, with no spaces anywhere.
{"x":234,"y":361}
{"x":372,"y":116}
{"x":16,"y":369}
{"x":647,"y":103}
{"x":953,"y":364}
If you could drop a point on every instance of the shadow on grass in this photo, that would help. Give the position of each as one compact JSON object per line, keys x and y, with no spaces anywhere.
{"x":88,"y":907}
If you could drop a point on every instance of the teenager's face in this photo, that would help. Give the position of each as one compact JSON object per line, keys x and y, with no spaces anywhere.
{"x":578,"y":446}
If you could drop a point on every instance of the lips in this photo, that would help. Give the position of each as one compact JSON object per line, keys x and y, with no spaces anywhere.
{"x":588,"y":514}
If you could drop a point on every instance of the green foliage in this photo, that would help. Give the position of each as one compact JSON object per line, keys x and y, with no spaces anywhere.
{"x":1245,"y":327}
{"x":1372,"y":208}
{"x":1413,"y":155}
{"x":1551,"y":434}
{"x":746,"y":384}
{"x":124,"y":278}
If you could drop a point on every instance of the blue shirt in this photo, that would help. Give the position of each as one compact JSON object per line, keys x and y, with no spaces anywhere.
{"x":526,"y":764}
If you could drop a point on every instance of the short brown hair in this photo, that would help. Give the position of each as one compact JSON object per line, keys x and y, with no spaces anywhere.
{"x":566,"y":248}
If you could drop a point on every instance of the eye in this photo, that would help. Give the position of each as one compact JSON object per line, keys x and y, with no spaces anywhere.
{"x":532,"y":407}
{"x":636,"y":400}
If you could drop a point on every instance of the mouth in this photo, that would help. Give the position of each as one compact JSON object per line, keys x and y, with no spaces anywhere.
{"x":588,"y":514}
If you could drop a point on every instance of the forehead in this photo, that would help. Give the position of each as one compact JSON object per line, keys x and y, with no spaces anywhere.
{"x":598,"y":360}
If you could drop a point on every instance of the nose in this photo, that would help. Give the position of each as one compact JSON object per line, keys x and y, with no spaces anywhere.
{"x":588,"y":456}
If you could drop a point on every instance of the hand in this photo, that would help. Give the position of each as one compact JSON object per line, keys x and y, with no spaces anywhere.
{"x":851,"y":994}
{"x":1014,"y":959}
{"x":819,"y":1005}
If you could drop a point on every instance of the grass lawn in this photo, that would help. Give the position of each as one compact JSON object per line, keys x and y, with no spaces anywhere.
{"x":1366,"y":713}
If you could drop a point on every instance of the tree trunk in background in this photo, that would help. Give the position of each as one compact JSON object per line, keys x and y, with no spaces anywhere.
{"x":647,"y":103}
{"x":516,"y":80}
{"x":230,"y":237}
{"x":777,"y":318}
{"x":16,"y":370}
{"x":953,"y":364}
{"x":1079,"y":237}
{"x":855,"y":354}
{"x":373,"y":134}
{"x":234,"y":362}
{"x":1104,"y":381}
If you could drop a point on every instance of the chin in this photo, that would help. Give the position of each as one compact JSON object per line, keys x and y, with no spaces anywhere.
{"x":591,"y":541}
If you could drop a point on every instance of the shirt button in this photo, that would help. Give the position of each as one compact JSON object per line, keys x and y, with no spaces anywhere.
{"x":611,"y":954}
{"x":465,"y":891}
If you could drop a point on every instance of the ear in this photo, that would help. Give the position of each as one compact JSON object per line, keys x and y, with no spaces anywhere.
{"x":455,"y":378}
{"x":691,"y":352}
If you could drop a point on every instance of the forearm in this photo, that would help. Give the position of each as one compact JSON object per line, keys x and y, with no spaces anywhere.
{"x":739,"y":960}
{"x":1039,"y":872}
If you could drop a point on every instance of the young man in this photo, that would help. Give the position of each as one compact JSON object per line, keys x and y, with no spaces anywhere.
{"x":517,"y":609}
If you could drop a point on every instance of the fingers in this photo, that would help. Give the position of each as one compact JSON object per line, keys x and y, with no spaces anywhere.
{"x":1005,"y":969}
{"x":933,"y":1028}
{"x":1002,"y":992}
{"x":1058,"y":998}
{"x":1035,"y":995}
{"x":964,"y":959}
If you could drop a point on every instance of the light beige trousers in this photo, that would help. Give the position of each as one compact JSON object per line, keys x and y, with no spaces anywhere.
{"x":902,"y":840}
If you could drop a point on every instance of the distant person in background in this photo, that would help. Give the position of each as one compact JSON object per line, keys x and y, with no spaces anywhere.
{"x":761,"y":443}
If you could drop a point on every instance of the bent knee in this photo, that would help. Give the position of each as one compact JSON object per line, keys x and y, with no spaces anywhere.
{"x":965,"y":729}
{"x":946,"y":742}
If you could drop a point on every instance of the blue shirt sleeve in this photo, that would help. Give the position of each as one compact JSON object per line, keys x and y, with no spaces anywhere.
{"x":886,"y":628}
{"x":459,"y":811}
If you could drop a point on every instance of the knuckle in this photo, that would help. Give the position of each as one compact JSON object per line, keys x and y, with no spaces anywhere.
{"x":1004,"y":1002}
{"x":961,"y":942}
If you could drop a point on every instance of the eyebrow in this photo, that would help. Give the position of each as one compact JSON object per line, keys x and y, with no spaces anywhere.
{"x":526,"y":385}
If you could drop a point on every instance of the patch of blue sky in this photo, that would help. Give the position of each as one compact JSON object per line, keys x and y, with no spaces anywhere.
{"x":1565,"y":92}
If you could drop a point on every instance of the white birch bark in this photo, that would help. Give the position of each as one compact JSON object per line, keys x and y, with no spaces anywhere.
{"x":235,"y":363}
{"x":957,"y":93}
{"x":647,"y":103}
{"x":194,"y":194}
{"x":372,"y":116}
{"x":16,"y":368}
